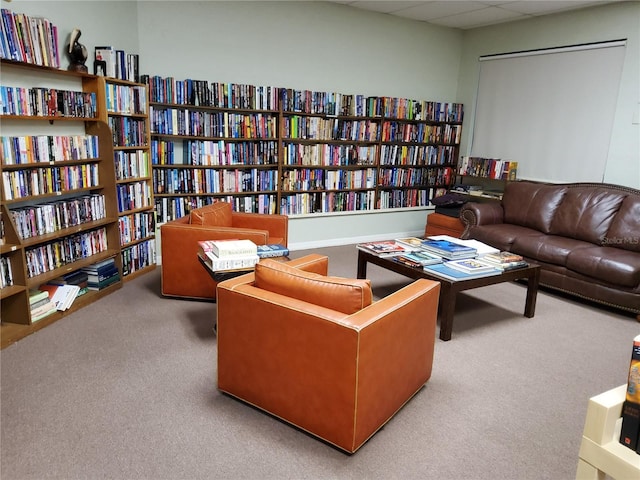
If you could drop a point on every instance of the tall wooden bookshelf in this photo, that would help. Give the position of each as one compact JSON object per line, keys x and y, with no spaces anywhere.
{"x":58,"y":157}
{"x":125,"y":108}
{"x":322,"y":152}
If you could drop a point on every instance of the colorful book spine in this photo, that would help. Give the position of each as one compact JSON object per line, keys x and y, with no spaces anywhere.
{"x":630,"y":430}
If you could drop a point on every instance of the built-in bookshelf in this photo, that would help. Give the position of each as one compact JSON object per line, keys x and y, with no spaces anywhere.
{"x":58,"y":206}
{"x":484,"y":178}
{"x":126,"y":110}
{"x":278,"y":150}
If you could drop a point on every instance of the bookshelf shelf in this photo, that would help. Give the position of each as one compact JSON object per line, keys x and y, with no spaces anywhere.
{"x":126,"y":107}
{"x":53,"y":163}
{"x":330,"y":152}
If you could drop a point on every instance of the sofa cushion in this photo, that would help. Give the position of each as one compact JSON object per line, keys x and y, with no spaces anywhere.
{"x":624,"y":232}
{"x":340,"y":294}
{"x":548,"y":248}
{"x":531,"y":205}
{"x":607,"y":264}
{"x":500,"y":235}
{"x":586,"y":214}
{"x":217,"y":214}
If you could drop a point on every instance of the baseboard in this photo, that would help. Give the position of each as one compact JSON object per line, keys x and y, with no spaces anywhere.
{"x":336,"y":242}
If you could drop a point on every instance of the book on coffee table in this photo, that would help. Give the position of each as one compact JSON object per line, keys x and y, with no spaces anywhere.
{"x":471,"y":265}
{"x":443,"y":271}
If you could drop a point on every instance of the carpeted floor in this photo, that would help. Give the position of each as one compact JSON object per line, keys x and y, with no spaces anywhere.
{"x":126,"y":389}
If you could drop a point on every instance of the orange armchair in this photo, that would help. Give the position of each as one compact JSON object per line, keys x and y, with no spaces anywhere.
{"x":318,"y":352}
{"x":182,"y":273}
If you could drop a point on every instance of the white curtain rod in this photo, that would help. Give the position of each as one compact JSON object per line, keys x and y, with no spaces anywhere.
{"x":546,"y":51}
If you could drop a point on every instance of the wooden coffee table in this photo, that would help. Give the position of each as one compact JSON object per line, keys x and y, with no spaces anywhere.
{"x":449,"y":289}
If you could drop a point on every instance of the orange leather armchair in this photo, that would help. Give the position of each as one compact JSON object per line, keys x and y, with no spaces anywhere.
{"x":318,"y":352}
{"x":182,"y":273}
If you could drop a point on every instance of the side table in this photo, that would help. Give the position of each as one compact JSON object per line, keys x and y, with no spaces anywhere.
{"x":601,"y":452}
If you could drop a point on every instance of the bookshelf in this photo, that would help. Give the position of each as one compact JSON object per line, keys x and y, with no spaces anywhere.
{"x":213,"y":142}
{"x":322,"y":152}
{"x":125,"y":107}
{"x":58,"y":205}
{"x":488,"y":176}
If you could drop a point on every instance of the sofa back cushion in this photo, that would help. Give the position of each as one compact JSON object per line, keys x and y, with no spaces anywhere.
{"x":217,"y":214}
{"x":531,"y":205}
{"x":586,"y":214}
{"x":340,"y":294}
{"x":624,"y":231}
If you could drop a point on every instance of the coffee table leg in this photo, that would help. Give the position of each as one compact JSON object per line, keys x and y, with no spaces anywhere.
{"x":532,"y":294}
{"x":447,"y":308}
{"x":362,"y":266}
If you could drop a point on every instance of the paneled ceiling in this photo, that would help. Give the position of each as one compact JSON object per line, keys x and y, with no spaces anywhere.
{"x":472,"y":14}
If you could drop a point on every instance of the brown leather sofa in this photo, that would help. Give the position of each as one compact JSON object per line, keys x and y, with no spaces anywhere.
{"x":586,"y":236}
{"x":182,"y":274}
{"x":316,"y":351}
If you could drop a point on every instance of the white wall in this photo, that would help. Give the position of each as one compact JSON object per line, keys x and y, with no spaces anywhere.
{"x":321,"y":46}
{"x":612,"y":22}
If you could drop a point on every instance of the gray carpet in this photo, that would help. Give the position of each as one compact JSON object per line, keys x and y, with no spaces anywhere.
{"x":126,"y":389}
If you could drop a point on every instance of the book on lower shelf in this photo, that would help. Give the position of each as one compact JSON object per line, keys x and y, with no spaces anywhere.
{"x":443,"y":271}
{"x":272,"y":250}
{"x":630,"y":430}
{"x":384,"y":248}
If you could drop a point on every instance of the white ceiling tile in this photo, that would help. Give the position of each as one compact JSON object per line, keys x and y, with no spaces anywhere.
{"x":438,"y":9}
{"x":478,"y":18}
{"x":538,"y":7}
{"x":384,"y":7}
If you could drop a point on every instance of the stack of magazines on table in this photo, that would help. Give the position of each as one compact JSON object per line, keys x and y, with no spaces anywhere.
{"x":447,"y":257}
{"x":229,"y":255}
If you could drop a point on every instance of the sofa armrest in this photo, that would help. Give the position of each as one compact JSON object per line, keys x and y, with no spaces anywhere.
{"x":475,"y":213}
{"x":276,"y":225}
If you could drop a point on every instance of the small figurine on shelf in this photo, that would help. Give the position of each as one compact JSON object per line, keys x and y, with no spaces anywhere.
{"x":77,"y":52}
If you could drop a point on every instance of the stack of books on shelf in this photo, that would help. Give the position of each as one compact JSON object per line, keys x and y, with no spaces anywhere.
{"x":227,"y":255}
{"x":62,"y":296}
{"x":102,"y":274}
{"x":40,"y":305}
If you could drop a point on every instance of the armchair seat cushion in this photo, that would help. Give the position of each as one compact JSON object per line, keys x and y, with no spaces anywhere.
{"x":336,"y":293}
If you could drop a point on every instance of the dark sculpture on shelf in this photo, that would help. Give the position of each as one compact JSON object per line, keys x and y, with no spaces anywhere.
{"x":77,"y":52}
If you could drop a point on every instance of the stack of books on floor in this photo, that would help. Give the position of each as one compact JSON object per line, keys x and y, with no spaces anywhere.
{"x":40,"y":304}
{"x":102,"y":274}
{"x":228,"y":255}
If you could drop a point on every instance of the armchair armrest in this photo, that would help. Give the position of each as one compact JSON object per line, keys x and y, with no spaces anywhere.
{"x":475,"y":213}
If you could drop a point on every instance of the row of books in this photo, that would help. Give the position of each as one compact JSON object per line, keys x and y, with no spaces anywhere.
{"x":318,"y":128}
{"x":47,"y":148}
{"x":320,"y":179}
{"x":39,"y":181}
{"x":231,"y":95}
{"x":110,"y":62}
{"x":208,"y":180}
{"x":139,"y":256}
{"x":228,"y":255}
{"x":347,"y":201}
{"x":168,"y":209}
{"x":417,"y":154}
{"x":47,"y":257}
{"x":51,"y":217}
{"x":328,"y":155}
{"x":133,"y":195}
{"x":128,"y":132}
{"x":421,"y":133}
{"x":488,"y":168}
{"x":408,"y":177}
{"x":131,"y":164}
{"x":446,"y":256}
{"x":136,"y":226}
{"x":198,"y":123}
{"x":209,"y":152}
{"x":29,"y":39}
{"x":47,"y":102}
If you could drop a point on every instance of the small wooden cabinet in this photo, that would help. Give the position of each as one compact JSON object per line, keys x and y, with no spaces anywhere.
{"x":439,"y":224}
